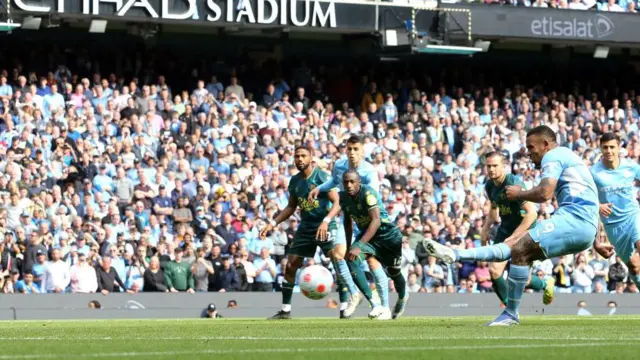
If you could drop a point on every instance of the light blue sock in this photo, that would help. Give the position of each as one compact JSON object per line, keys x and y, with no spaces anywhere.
{"x":345,"y":275}
{"x":517,"y":280}
{"x":492,"y":253}
{"x":382,"y":284}
{"x":636,"y":279}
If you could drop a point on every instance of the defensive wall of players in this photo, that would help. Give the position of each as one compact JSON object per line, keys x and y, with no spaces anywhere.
{"x":251,"y":305}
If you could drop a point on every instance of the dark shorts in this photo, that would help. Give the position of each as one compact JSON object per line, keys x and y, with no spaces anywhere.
{"x":386,"y":248}
{"x":502,"y":235}
{"x":305,"y":243}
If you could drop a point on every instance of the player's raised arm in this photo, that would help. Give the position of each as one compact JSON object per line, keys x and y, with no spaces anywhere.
{"x":284,"y":215}
{"x":321,"y":234}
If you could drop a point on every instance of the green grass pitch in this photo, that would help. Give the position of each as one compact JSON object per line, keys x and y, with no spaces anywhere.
{"x":539,"y":338}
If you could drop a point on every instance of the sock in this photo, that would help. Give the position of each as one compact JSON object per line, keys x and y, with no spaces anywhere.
{"x":345,"y":277}
{"x":493,"y":253}
{"x":343,"y":293}
{"x":382,"y":285}
{"x":400,"y":283}
{"x":287,"y":294}
{"x":500,"y":288}
{"x":517,"y":280}
{"x":360,"y":279}
{"x":636,"y":279}
{"x":537,"y":284}
{"x":343,"y":305}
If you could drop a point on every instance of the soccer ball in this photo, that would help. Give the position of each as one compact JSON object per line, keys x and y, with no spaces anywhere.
{"x":315,"y":282}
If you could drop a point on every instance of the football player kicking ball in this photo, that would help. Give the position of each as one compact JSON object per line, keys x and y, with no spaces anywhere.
{"x":513,"y":224}
{"x":619,"y":208}
{"x":570,"y":230}
{"x":317,"y":229}
{"x":379,"y":242}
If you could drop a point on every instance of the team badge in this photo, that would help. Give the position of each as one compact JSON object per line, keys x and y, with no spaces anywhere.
{"x":371,"y":200}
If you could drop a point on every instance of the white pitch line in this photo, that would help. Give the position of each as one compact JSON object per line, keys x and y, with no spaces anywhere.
{"x":293,"y":350}
{"x":312,"y":338}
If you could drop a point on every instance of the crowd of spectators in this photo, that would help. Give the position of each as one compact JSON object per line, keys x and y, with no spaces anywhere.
{"x":110,"y":185}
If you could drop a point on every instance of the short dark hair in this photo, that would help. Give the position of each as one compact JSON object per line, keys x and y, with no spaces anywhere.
{"x":303,"y":147}
{"x":543,"y":131}
{"x":355,"y":139}
{"x":494,"y":154}
{"x":351,"y":172}
{"x":606,"y":137}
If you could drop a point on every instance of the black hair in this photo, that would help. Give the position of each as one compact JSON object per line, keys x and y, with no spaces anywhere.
{"x":545,"y":132}
{"x":606,"y":137}
{"x":355,"y":139}
{"x":351,"y":172}
{"x":303,"y":147}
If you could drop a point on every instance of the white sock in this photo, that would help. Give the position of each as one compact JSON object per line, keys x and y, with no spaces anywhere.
{"x":286,"y":307}
{"x":343,"y":306}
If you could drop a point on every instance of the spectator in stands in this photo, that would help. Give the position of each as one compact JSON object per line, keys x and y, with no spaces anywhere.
{"x":201,"y":270}
{"x":226,"y":277}
{"x":265,"y":272}
{"x":56,"y":276}
{"x":108,"y":279}
{"x":83,"y":276}
{"x":154,"y":277}
{"x":178,"y":275}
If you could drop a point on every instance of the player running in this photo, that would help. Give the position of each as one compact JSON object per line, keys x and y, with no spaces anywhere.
{"x":619,"y":210}
{"x":516,"y":217}
{"x":380,"y":242}
{"x":369,"y":176}
{"x":570,"y":230}
{"x":317,"y":228}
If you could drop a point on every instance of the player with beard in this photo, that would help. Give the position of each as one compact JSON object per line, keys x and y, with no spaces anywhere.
{"x":317,"y":229}
{"x":516,"y":217}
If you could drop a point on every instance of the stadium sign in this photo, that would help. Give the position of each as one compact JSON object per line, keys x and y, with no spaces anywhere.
{"x":548,"y":25}
{"x":295,"y":13}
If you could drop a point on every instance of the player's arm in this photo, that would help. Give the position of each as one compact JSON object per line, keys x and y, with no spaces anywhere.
{"x":284,"y":215}
{"x":530,"y":216}
{"x":374,"y":225}
{"x":488,"y":222}
{"x":551,"y":171}
{"x":321,"y":234}
{"x":348,"y":228}
{"x":332,"y":182}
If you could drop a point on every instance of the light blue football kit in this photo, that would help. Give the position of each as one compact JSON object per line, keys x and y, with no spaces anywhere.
{"x":573,"y":226}
{"x":615,"y":187}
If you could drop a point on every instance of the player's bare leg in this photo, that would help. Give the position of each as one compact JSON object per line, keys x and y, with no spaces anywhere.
{"x":293,"y":264}
{"x":348,"y":292}
{"x":634,"y":265}
{"x":381,"y":312}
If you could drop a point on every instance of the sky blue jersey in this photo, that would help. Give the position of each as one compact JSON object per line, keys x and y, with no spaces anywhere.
{"x":368,"y":175}
{"x":576,"y":191}
{"x":615,"y":186}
